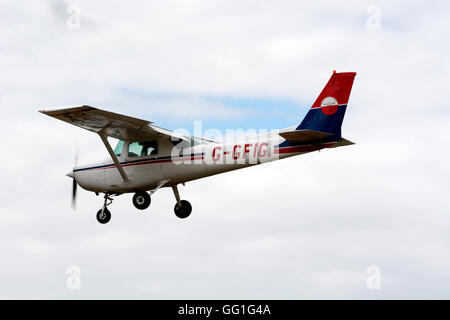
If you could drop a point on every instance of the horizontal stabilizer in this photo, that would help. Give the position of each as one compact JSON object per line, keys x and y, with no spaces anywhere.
{"x":341,"y":143}
{"x":304,"y":136}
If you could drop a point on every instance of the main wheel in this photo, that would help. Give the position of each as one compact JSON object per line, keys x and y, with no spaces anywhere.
{"x":141,"y":200}
{"x":103,"y":217}
{"x":184,"y":211}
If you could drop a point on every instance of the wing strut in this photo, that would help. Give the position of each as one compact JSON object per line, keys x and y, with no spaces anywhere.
{"x":160,"y":184}
{"x":114,"y":157}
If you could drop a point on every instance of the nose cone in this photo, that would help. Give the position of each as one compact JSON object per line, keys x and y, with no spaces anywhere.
{"x":70,"y":174}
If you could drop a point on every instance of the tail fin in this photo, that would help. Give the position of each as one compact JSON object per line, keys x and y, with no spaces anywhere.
{"x":327,"y":112}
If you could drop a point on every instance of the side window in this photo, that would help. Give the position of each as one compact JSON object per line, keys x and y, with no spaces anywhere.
{"x":150,"y":148}
{"x":142,"y":149}
{"x":119,"y":147}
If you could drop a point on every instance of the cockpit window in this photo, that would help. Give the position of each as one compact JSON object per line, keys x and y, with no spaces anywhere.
{"x":118,"y":149}
{"x":141,"y":149}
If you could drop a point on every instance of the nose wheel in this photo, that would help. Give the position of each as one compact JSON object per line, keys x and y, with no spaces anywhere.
{"x":104,"y":215}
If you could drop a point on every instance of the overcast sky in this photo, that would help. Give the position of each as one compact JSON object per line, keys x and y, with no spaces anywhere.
{"x":305,"y":227}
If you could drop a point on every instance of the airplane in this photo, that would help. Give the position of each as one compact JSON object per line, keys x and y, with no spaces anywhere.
{"x":147,"y":157}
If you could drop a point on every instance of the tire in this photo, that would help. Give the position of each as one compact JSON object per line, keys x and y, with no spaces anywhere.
{"x":141,"y":200}
{"x":184,"y":211}
{"x":105,"y":217}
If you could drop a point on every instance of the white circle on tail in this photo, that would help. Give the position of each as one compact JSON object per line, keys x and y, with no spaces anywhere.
{"x":329,"y":105}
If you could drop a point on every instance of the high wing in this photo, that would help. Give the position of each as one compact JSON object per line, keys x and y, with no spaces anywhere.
{"x":110,"y":124}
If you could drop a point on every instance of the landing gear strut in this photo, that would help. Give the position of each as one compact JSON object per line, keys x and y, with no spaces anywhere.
{"x":103,"y":215}
{"x":182,"y":208}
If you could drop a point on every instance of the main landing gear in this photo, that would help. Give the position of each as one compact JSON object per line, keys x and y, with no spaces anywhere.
{"x":182,"y":208}
{"x":142,"y":200}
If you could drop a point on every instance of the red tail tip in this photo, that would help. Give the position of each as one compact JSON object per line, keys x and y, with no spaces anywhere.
{"x":334,"y":71}
{"x":337,"y":88}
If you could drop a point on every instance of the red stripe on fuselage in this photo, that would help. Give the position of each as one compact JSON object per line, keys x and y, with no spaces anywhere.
{"x":283,"y":150}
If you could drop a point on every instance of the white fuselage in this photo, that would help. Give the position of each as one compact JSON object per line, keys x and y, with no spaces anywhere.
{"x":179,"y":165}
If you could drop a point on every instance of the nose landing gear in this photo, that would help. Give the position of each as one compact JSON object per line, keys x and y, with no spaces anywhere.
{"x":104,"y":215}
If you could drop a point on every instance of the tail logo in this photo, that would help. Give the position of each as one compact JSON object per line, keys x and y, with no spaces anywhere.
{"x":329,"y":106}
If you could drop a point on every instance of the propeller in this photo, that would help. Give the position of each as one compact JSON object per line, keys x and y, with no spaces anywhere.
{"x":74,"y":193}
{"x":74,"y":181}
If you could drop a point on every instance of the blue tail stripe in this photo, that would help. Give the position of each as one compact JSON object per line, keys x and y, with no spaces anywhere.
{"x":316,"y":120}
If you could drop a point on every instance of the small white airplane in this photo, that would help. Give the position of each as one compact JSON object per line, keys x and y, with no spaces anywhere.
{"x":148,"y":157}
